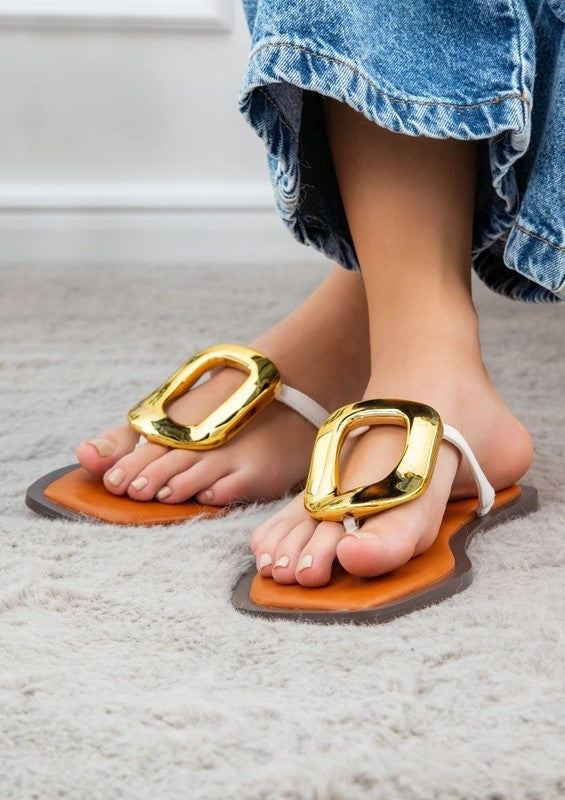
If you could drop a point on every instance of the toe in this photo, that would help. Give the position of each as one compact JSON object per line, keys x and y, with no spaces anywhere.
{"x":193,"y":481}
{"x":287,"y":553}
{"x":290,"y":515}
{"x":119,"y":476}
{"x":314,"y":566}
{"x":267,"y":551}
{"x":387,"y":542}
{"x":265,"y":555}
{"x":156,"y":475}
{"x":375,"y":553}
{"x":100,"y":453}
{"x":228,"y":489}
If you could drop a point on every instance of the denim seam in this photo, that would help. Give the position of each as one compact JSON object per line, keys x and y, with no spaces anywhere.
{"x":281,"y":115}
{"x":392,"y":98}
{"x":520,"y":51}
{"x":541,"y":238}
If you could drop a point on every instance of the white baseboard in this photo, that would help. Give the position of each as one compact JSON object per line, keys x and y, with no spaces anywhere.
{"x":213,"y":15}
{"x":147,"y":225}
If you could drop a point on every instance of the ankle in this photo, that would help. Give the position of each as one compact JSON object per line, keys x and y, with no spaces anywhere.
{"x":447,"y":375}
{"x":425,"y":305}
{"x":417,"y":352}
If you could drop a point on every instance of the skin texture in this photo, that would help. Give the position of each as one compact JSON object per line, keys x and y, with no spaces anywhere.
{"x":270,"y":456}
{"x":407,"y":329}
{"x":409,"y":203}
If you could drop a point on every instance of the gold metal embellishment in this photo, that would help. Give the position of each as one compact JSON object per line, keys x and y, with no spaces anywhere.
{"x":322,"y":497}
{"x":262,"y":385}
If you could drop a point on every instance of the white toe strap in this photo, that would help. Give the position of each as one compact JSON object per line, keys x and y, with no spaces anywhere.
{"x":485,"y":491}
{"x":303,"y":405}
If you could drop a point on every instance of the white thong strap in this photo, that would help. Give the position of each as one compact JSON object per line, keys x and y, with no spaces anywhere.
{"x":484,"y":489}
{"x":303,"y":405}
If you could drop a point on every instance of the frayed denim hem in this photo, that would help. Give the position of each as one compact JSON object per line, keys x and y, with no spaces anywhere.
{"x":277,"y":99}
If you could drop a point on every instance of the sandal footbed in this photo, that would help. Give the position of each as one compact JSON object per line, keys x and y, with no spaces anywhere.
{"x":73,"y":493}
{"x":441,"y":571}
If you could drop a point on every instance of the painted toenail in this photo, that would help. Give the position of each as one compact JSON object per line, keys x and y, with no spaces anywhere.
{"x":116,"y":477}
{"x":282,"y":561}
{"x":305,"y":562}
{"x":104,"y":446}
{"x":163,"y":493}
{"x":140,"y":483}
{"x":209,"y":494}
{"x":264,"y":561}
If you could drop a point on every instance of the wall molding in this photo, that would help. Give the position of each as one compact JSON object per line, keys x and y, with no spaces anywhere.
{"x":114,"y":197}
{"x":144,"y":224}
{"x":212,"y":15}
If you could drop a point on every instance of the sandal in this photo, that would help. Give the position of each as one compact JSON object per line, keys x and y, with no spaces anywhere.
{"x":73,"y":493}
{"x":441,"y":571}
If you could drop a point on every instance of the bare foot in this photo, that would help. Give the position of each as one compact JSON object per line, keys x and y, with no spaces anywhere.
{"x":292,"y":547}
{"x":271,"y":455}
{"x":410,"y":205}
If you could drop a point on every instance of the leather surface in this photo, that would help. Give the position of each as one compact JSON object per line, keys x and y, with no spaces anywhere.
{"x":348,"y":593}
{"x":83,"y":492}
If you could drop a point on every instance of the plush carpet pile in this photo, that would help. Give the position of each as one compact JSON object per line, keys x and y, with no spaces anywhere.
{"x":126,"y":673}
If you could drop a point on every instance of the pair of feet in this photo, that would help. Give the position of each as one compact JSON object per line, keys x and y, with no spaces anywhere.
{"x":271,"y":456}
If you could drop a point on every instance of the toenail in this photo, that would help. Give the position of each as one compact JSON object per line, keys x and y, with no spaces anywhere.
{"x":282,"y":561}
{"x":305,"y":562}
{"x":163,"y":493}
{"x":264,"y":561}
{"x":104,"y":446}
{"x":209,"y":494}
{"x":140,"y":483}
{"x":116,"y":477}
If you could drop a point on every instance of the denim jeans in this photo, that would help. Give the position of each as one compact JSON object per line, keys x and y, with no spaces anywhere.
{"x":489,"y":70}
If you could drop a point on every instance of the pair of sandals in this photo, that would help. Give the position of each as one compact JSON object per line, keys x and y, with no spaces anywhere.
{"x":443,"y":570}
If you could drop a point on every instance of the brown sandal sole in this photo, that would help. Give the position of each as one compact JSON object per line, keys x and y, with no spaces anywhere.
{"x":443,"y":570}
{"x":74,"y":494}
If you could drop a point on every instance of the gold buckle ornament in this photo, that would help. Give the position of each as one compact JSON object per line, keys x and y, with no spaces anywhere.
{"x":262,"y":385}
{"x":322,"y":497}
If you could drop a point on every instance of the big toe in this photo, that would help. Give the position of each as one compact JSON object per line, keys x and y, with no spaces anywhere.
{"x":100,"y":453}
{"x":387,"y":541}
{"x":376,"y":554}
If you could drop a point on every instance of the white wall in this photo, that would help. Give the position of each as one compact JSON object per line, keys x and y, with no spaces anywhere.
{"x":121,"y":141}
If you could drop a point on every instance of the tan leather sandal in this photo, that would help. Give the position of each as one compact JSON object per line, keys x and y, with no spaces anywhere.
{"x":441,"y":571}
{"x":73,"y":493}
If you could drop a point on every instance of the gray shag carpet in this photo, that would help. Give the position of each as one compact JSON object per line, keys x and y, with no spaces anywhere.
{"x":126,"y":673}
